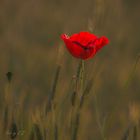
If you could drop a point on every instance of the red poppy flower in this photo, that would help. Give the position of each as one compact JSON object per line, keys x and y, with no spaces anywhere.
{"x":84,"y":45}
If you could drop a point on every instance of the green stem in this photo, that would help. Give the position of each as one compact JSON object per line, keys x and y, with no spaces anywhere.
{"x":82,"y":77}
{"x":80,"y":80}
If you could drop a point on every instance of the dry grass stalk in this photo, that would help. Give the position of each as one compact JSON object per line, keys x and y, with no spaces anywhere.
{"x":13,"y":131}
{"x":54,"y":122}
{"x":32,"y":135}
{"x":52,"y":93}
{"x":133,"y":71}
{"x":135,"y":134}
{"x":5,"y":118}
{"x":37,"y":132}
{"x":126,"y":134}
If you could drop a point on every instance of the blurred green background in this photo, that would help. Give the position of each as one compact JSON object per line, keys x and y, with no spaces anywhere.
{"x":31,"y":48}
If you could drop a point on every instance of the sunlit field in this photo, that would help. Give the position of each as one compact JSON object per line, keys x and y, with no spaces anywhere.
{"x":46,"y":93}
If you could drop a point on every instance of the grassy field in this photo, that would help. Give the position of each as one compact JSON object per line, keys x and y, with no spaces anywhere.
{"x":46,"y":94}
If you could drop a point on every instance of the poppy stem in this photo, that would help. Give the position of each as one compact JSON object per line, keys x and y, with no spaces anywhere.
{"x":80,"y":78}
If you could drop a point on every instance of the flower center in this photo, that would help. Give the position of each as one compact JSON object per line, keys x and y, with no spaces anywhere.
{"x":85,"y":47}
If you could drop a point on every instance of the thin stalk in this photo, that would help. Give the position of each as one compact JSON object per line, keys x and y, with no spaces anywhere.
{"x":8,"y":101}
{"x":100,"y":125}
{"x":76,"y":126}
{"x":54,"y":86}
{"x":86,"y":92}
{"x":126,"y":134}
{"x":80,"y":80}
{"x":82,"y":77}
{"x":54,"y":121}
{"x":135,"y":135}
{"x":132,"y":72}
{"x":37,"y":131}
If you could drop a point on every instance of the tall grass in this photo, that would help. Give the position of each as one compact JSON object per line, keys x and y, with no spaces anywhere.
{"x":42,"y":125}
{"x":33,"y":108}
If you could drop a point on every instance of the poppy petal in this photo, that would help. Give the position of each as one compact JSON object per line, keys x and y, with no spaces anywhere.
{"x":101,"y":42}
{"x":84,"y":45}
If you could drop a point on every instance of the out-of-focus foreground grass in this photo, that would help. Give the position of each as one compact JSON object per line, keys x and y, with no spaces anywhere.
{"x":31,"y":48}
